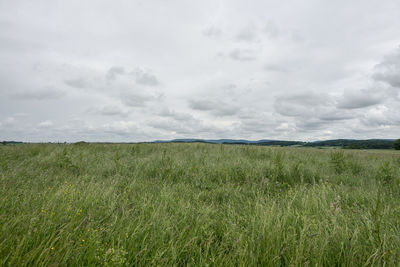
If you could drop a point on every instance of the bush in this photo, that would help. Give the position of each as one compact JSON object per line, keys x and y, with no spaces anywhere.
{"x":338,"y":161}
{"x":81,"y":143}
{"x":396,"y":144}
{"x":386,"y":174}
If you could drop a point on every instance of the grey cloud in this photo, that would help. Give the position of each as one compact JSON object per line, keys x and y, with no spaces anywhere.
{"x":242,"y":54}
{"x":10,"y":121}
{"x":388,"y":70}
{"x":204,"y":105}
{"x":217,"y":108}
{"x":212,"y":31}
{"x":296,"y":37}
{"x":247,"y":34}
{"x":179,"y":116}
{"x":80,"y":130}
{"x":47,"y":93}
{"x":229,"y":89}
{"x":134,"y":99}
{"x":267,"y":124}
{"x":21,"y":115}
{"x":312,"y":111}
{"x":114,"y":72}
{"x":109,"y":110}
{"x":251,"y":32}
{"x":275,"y":68}
{"x":145,"y":77}
{"x":171,"y":126}
{"x":301,"y":105}
{"x":122,"y":128}
{"x":183,"y":124}
{"x":141,"y":76}
{"x":381,"y":116}
{"x":193,"y":127}
{"x":229,"y":86}
{"x":311,"y":124}
{"x":337,"y":115}
{"x":77,"y":83}
{"x":112,"y":111}
{"x":76,"y":130}
{"x":360,"y":99}
{"x":271,"y":30}
{"x":258,"y":124}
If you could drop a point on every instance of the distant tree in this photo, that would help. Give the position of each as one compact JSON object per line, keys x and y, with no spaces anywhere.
{"x":80,"y":143}
{"x":396,"y":144}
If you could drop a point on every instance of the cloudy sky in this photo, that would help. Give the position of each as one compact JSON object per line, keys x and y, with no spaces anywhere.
{"x":161,"y":69}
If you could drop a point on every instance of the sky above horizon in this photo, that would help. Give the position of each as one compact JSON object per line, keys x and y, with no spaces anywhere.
{"x":144,"y":70}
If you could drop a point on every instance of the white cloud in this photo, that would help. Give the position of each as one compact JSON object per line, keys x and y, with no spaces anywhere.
{"x":45,"y":124}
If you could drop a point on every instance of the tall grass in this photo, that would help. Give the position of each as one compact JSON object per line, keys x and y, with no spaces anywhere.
{"x":198,"y":204}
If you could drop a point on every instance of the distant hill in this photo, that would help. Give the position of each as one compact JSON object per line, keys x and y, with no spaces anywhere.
{"x":10,"y":142}
{"x":355,"y":144}
{"x":262,"y":142}
{"x":344,"y":143}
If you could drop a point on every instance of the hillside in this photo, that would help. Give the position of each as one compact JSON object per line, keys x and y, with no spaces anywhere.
{"x":344,"y":143}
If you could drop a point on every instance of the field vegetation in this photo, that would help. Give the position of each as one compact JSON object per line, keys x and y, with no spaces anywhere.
{"x":198,"y":204}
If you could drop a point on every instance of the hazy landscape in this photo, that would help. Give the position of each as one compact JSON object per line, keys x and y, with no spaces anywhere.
{"x":199,"y":133}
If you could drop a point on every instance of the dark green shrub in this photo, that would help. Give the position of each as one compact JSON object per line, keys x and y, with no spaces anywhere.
{"x":355,"y":167}
{"x":279,"y":168}
{"x":81,"y":143}
{"x":386,"y":174}
{"x":65,"y":162}
{"x":238,"y":174}
{"x":338,"y":161}
{"x":396,"y":144}
{"x":300,"y":173}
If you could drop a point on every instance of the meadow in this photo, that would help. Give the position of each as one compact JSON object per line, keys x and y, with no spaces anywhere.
{"x":198,"y":204}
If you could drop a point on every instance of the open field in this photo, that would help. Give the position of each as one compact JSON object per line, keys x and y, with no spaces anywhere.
{"x":198,"y":204}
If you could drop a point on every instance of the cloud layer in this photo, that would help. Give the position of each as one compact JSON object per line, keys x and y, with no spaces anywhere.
{"x":146,"y":70}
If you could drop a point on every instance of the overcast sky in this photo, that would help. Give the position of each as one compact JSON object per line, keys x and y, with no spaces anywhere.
{"x":161,"y":69}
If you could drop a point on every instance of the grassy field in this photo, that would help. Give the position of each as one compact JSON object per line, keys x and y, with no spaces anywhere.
{"x":198,"y":204}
